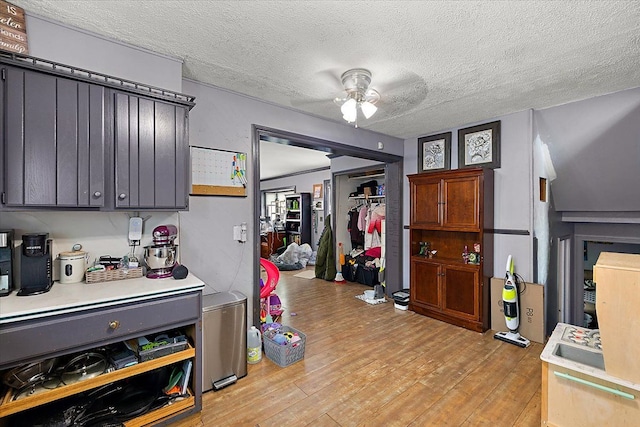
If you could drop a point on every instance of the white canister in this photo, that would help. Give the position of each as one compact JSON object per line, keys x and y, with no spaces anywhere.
{"x":72,"y":266}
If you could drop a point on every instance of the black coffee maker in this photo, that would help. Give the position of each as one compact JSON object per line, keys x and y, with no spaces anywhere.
{"x":35,"y":264}
{"x":6,"y":262}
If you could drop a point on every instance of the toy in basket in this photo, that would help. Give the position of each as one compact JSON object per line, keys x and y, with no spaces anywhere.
{"x":284,"y":346}
{"x":270,"y":304}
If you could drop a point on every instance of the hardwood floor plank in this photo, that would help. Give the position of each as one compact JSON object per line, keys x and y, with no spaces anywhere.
{"x":374,"y":365}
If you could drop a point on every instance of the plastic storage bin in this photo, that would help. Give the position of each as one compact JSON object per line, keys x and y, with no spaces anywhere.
{"x":284,"y":355}
{"x":401,"y":299}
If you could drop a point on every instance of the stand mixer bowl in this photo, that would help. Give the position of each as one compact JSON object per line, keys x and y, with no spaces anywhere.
{"x":161,"y":259}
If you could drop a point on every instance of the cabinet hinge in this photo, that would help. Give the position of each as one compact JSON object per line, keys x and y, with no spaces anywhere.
{"x":3,"y":198}
{"x":4,"y":74}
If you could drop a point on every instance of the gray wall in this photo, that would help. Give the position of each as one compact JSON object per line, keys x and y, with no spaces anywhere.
{"x":513,"y":193}
{"x":56,"y":42}
{"x":594,"y":147}
{"x":590,"y":152}
{"x":221,"y":119}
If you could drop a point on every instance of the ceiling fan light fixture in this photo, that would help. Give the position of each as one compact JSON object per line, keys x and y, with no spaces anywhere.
{"x":356,"y":84}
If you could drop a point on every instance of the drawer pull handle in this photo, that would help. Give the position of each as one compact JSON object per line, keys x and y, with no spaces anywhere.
{"x":114,"y":324}
{"x":595,"y":385}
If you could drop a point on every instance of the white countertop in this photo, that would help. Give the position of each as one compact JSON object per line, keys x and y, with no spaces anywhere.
{"x":68,"y":298}
{"x":548,"y":355}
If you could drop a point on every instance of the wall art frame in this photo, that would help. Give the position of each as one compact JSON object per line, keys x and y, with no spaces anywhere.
{"x":317,"y":191}
{"x":479,"y":146}
{"x":434,"y":152}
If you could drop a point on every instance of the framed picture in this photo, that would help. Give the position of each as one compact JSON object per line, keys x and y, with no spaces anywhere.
{"x":434,"y":152}
{"x":479,"y":146}
{"x":317,"y":191}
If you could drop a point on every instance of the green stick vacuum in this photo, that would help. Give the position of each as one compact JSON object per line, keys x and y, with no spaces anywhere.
{"x":511,"y":306}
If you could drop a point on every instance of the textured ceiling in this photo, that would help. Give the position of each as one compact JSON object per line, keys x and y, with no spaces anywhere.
{"x":436,"y":64}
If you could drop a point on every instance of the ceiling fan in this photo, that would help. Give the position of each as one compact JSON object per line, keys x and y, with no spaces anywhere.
{"x":358,"y":95}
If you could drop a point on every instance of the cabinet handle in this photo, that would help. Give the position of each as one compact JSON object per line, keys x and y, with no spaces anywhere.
{"x":122,"y":196}
{"x":594,"y":385}
{"x":97,"y":194}
{"x":114,"y":324}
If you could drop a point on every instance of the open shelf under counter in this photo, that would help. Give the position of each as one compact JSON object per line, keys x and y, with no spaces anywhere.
{"x":8,"y":406}
{"x":75,"y":318}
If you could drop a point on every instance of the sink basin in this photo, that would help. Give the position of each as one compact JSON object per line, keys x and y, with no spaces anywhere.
{"x":576,"y":354}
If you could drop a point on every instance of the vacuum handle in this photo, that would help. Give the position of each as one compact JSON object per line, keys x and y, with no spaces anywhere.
{"x":594,"y":385}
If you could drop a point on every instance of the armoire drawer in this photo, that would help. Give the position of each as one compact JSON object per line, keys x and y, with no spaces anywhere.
{"x":36,"y":339}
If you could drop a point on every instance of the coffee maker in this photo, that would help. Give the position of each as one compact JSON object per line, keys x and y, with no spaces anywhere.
{"x":161,"y":256}
{"x":6,"y":262}
{"x":35,"y":264}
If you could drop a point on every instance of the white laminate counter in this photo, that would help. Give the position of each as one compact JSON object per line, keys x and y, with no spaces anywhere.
{"x":548,"y":356}
{"x":69,"y":298}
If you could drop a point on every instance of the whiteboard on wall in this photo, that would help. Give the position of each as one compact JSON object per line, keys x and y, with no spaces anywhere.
{"x":218,"y":172}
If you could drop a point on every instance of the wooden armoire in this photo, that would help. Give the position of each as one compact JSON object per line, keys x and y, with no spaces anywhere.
{"x":451,"y":210}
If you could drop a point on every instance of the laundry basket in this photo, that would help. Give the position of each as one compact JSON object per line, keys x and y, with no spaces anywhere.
{"x":287,"y":354}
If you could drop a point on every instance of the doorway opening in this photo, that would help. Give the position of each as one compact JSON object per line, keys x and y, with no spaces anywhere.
{"x":393,"y":182}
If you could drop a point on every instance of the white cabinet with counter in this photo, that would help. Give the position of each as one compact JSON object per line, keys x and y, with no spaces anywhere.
{"x":79,"y":317}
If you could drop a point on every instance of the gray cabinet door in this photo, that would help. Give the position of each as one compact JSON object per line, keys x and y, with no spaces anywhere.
{"x":151,"y":153}
{"x":54,"y":141}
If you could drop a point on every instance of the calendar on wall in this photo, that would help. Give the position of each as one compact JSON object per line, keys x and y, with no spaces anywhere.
{"x":218,"y":172}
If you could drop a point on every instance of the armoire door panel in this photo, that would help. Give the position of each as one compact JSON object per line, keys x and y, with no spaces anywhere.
{"x":425,"y":283}
{"x":461,"y":196}
{"x":427,"y":212}
{"x":461,"y":291}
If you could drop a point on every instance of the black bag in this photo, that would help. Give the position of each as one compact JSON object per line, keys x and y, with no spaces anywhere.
{"x":367,"y":275}
{"x":349,"y":270}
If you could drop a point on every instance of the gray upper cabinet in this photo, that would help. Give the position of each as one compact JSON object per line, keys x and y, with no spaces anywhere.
{"x":54,"y":140}
{"x":78,"y":139}
{"x":151,"y":153}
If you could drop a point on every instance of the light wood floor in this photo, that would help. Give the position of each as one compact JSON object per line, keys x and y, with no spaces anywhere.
{"x":373,"y":365}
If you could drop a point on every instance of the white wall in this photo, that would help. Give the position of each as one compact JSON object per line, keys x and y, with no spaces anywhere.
{"x":99,"y":233}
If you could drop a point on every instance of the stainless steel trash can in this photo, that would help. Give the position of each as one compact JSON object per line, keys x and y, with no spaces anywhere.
{"x":224,"y":339}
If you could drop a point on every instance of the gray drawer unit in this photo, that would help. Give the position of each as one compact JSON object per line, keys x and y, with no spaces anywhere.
{"x":33,"y":340}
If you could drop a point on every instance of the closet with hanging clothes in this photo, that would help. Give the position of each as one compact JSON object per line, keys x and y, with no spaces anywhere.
{"x":360,"y":219}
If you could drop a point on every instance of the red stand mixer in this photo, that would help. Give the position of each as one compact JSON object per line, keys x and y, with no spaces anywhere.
{"x":161,"y":256}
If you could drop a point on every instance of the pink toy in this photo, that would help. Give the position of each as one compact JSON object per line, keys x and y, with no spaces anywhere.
{"x":273,"y":276}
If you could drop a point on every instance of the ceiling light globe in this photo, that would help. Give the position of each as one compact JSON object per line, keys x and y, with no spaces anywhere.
{"x":368,"y":109}
{"x":349,"y":112}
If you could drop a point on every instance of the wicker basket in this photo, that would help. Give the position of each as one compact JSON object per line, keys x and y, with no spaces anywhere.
{"x":284,"y":355}
{"x":110,"y":275}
